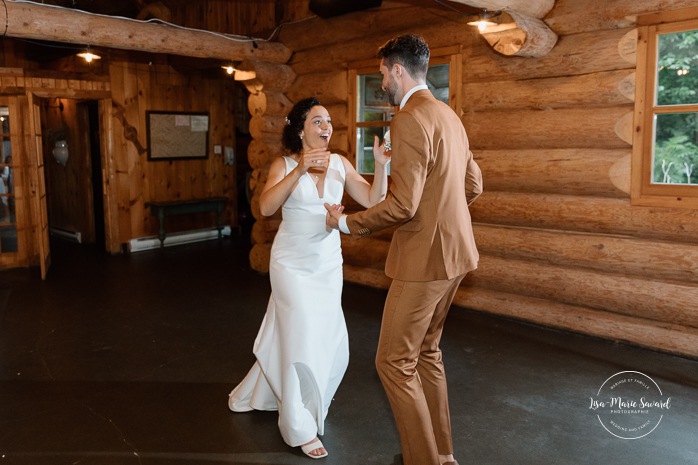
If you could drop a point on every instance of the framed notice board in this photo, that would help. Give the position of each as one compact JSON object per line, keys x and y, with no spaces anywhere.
{"x":177,"y":135}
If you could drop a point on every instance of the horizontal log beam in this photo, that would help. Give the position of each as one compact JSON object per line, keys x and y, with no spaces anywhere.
{"x":600,"y":89}
{"x":366,"y":276}
{"x":585,"y":53}
{"x":661,"y":301}
{"x":272,"y":76}
{"x":667,"y":337}
{"x":329,"y":87}
{"x":267,"y":126}
{"x":440,"y":31}
{"x":269,"y":103}
{"x":617,"y":255}
{"x":672,"y":338}
{"x":549,"y":129}
{"x":583,"y":172}
{"x":644,"y":297}
{"x":569,"y":17}
{"x":354,"y":27}
{"x":591,"y":214}
{"x":44,"y":22}
{"x":621,"y":256}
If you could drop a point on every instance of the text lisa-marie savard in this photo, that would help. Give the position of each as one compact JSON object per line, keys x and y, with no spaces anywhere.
{"x":638,"y":405}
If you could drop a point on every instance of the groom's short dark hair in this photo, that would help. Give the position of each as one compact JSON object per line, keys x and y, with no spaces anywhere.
{"x":409,"y":50}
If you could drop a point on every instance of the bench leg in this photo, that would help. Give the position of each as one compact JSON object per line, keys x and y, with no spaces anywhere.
{"x":219,"y":224}
{"x":161,"y":223}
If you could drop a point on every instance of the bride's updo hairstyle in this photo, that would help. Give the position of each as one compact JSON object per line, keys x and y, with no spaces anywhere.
{"x":291,"y":139}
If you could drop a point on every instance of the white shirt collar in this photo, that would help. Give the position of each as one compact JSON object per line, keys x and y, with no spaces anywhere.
{"x":412,"y":91}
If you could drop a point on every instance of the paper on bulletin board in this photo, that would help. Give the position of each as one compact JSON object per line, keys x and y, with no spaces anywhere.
{"x":199,"y":123}
{"x":182,"y":120}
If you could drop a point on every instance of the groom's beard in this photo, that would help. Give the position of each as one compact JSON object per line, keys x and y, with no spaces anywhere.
{"x":392,"y":93}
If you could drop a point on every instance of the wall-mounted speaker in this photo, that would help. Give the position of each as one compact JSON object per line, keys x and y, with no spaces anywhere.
{"x":330,"y":8}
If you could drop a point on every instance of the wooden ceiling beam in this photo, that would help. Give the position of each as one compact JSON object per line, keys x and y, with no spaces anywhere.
{"x":44,"y":22}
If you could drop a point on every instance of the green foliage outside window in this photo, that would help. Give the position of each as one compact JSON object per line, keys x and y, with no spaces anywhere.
{"x":676,"y":134}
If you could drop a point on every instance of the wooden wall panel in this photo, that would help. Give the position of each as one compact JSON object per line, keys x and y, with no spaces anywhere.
{"x":143,"y":87}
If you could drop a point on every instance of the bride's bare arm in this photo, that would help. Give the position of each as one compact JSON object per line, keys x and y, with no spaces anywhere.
{"x":356,"y":185}
{"x":278,"y":187}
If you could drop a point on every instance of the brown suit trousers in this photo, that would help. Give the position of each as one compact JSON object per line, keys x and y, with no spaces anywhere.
{"x":411,"y":369}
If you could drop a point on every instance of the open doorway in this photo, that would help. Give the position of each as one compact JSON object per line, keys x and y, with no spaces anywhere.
{"x":72,"y":157}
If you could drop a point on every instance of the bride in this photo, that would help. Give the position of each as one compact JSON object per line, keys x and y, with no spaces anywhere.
{"x":302,"y":348}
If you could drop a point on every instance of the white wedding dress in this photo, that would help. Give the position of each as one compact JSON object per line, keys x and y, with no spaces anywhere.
{"x":302,"y":347}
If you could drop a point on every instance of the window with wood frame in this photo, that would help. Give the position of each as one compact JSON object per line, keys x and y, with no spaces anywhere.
{"x":370,"y":112}
{"x":8,"y":219}
{"x":665,"y":147}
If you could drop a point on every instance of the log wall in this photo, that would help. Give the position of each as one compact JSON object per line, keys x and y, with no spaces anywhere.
{"x":560,"y":243}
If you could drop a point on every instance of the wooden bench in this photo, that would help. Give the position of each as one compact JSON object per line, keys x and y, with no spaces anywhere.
{"x":181,"y":207}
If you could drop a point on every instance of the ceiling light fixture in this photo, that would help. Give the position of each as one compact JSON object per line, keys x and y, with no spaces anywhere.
{"x":88,"y":56}
{"x":485,"y":19}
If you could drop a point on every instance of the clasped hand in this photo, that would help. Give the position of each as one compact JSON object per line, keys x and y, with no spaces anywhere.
{"x":334,"y":213}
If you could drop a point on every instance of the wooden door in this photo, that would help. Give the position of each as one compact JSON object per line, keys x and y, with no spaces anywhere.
{"x":38,"y":187}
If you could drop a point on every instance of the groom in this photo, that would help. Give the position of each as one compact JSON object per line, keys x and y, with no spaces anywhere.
{"x":434,"y":179}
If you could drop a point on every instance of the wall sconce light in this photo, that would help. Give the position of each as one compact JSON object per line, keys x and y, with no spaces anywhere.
{"x":60,"y":152}
{"x":229,"y":69}
{"x":88,"y":56}
{"x":485,"y":19}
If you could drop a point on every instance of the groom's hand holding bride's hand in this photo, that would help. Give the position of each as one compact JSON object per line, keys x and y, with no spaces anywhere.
{"x":334,"y":213}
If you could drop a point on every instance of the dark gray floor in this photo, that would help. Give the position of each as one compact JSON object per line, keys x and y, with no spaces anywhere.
{"x":129,"y":360}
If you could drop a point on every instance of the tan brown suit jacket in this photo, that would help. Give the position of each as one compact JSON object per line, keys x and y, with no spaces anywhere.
{"x":434,"y":179}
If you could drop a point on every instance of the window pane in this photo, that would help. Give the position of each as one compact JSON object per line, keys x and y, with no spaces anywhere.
{"x":675,"y":155}
{"x":677,"y":68}
{"x":8,"y":239}
{"x":372,"y":102}
{"x":5,"y":119}
{"x":372,"y":107}
{"x":437,"y":80}
{"x":364,"y":151}
{"x":8,"y":226}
